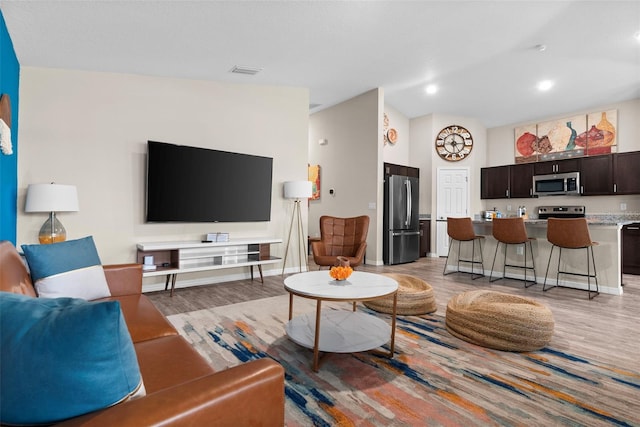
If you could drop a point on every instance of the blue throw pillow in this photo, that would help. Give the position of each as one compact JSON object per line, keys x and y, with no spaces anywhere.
{"x":67,"y":269}
{"x":62,"y":358}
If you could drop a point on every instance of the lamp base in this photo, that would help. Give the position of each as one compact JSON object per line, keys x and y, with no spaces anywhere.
{"x":52,"y":231}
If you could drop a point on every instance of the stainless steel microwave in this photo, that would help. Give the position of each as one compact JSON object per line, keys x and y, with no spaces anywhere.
{"x":557,"y":184}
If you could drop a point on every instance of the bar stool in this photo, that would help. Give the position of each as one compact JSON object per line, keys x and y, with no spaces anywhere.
{"x":461,"y":229}
{"x":511,"y":231}
{"x":571,"y":233}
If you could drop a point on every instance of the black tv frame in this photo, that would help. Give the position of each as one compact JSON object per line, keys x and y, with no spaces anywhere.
{"x":194,"y":184}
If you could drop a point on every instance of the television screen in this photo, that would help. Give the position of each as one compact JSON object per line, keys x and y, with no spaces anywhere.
{"x":190,"y":184}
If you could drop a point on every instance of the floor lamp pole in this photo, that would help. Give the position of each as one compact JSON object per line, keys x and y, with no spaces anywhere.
{"x":297,"y":217}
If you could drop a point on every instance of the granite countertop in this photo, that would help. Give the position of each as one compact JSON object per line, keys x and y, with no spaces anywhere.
{"x":598,"y":219}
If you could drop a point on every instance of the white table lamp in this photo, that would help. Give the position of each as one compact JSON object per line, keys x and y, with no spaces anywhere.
{"x":51,"y":198}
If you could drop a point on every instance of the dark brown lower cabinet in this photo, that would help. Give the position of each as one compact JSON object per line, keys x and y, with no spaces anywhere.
{"x":631,"y":248}
{"x":425,"y":237}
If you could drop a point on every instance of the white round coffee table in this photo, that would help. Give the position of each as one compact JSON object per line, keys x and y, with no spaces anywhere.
{"x":340,"y":331}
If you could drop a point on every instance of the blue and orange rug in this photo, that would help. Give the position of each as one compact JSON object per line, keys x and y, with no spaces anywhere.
{"x":434,"y":379}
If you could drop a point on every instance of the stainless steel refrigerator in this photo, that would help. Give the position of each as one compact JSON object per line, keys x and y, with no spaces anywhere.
{"x":401,"y":241}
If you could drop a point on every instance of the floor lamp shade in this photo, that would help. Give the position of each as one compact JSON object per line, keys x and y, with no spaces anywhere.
{"x":51,"y":198}
{"x":297,"y":189}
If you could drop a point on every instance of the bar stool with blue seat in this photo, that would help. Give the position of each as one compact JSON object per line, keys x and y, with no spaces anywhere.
{"x":461,"y":229}
{"x":571,"y":233}
{"x":511,"y":231}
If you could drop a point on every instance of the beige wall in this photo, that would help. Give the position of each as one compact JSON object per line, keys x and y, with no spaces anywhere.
{"x":90,"y":129}
{"x":424,"y":131}
{"x":397,"y":153}
{"x":350,"y":164}
{"x":500,"y":151}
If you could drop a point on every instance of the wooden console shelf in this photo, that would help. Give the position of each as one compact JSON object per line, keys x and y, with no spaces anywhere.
{"x":172,"y":258}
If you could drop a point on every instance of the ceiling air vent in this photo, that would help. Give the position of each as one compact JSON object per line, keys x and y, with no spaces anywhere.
{"x":241,"y":69}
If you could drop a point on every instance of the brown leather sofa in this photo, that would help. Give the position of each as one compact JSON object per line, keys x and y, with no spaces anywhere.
{"x":346,"y":237}
{"x":182,"y":388}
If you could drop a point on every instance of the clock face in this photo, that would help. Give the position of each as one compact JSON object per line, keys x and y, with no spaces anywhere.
{"x":454,"y":143}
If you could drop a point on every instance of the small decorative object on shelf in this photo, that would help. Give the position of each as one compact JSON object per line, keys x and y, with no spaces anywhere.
{"x":217,"y":237}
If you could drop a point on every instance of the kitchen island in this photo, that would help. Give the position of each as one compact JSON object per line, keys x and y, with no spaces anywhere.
{"x":607,"y":231}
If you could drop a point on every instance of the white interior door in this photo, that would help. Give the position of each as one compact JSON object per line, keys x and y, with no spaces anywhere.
{"x":452,"y":199}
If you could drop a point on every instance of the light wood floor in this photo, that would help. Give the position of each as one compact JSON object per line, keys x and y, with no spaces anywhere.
{"x":606,"y":328}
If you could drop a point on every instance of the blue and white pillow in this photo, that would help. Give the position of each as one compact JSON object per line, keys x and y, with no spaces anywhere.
{"x":62,"y":358}
{"x":67,"y":269}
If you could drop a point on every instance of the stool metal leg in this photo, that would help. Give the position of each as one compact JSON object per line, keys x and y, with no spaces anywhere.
{"x":495,"y":254}
{"x":473,"y":261}
{"x":544,"y":285}
{"x":525,"y":267}
{"x":559,"y":271}
{"x":533,"y":262}
{"x":591,"y":293}
{"x":444,"y":272}
{"x":595,"y":274}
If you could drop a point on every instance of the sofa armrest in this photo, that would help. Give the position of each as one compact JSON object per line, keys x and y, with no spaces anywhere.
{"x":248,"y":394}
{"x":124,"y":279}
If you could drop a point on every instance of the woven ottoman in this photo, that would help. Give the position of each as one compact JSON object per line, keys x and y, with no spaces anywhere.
{"x":500,"y":321}
{"x":415,"y":296}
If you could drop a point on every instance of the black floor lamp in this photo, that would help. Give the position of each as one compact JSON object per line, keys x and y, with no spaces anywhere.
{"x":298,"y":191}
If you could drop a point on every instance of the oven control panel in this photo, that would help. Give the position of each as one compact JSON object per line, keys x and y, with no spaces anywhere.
{"x":545,"y":212}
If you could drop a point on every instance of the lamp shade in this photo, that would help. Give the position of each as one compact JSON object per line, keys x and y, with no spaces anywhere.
{"x":51,"y":198}
{"x":297,"y":189}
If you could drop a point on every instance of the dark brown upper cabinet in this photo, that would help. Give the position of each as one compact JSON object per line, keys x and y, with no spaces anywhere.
{"x":521,"y":180}
{"x":556,"y":166}
{"x":596,"y":175}
{"x":494,"y":182}
{"x":626,"y":173}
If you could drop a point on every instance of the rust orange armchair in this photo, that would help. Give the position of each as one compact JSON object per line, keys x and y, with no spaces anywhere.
{"x":345,"y":237}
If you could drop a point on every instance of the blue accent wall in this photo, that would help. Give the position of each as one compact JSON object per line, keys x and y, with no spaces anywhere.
{"x":9,"y":84}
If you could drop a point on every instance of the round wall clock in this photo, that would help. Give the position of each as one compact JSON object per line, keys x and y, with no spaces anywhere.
{"x":454,"y":143}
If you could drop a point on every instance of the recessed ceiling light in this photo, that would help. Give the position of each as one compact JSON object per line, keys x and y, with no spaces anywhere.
{"x":545,"y":85}
{"x":541,"y":47}
{"x":431,"y":89}
{"x":637,"y":36}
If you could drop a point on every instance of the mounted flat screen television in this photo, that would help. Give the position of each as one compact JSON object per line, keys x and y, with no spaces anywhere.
{"x":190,"y":184}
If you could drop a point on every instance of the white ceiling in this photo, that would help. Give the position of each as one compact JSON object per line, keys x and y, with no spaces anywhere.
{"x":481,"y":54}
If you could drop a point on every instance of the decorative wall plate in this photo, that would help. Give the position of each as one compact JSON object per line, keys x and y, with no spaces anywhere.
{"x":392,"y":136}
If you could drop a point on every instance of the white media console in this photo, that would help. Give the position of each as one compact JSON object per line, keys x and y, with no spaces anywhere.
{"x":173,"y":258}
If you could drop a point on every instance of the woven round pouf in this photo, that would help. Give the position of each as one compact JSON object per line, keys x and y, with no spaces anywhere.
{"x":415,"y":296}
{"x":500,"y":321}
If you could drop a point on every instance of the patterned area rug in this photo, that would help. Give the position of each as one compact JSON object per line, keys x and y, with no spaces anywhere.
{"x":434,"y":379}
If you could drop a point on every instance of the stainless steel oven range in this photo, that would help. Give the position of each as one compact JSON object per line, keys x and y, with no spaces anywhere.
{"x":545,"y":212}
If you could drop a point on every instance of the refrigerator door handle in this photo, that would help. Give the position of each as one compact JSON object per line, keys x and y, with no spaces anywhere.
{"x":407,"y":185}
{"x":405,"y":233}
